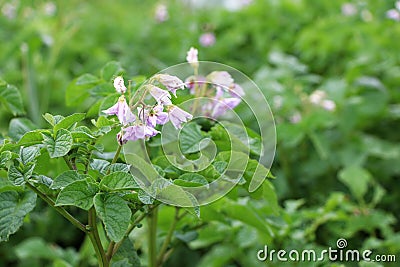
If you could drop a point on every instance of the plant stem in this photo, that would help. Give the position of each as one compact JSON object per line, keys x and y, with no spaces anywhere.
{"x":95,"y":239}
{"x":60,"y":210}
{"x":162,"y":255}
{"x":152,"y":231}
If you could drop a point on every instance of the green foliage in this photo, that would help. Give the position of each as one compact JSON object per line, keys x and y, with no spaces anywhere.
{"x":115,"y":213}
{"x":14,"y":207}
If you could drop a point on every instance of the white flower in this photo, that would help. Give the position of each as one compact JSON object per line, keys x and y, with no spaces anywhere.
{"x":317,"y":96}
{"x":192,"y":57}
{"x":119,"y":85}
{"x":161,"y":13}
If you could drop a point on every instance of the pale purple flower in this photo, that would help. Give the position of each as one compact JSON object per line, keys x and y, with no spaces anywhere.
{"x":177,"y":116}
{"x":328,"y":105}
{"x":236,"y":90}
{"x":224,"y":104}
{"x":192,"y":57}
{"x":154,"y":116}
{"x":50,"y":8}
{"x":191,"y":82}
{"x":207,"y":39}
{"x":119,"y":85}
{"x":161,"y":13}
{"x":393,"y":14}
{"x":349,"y":9}
{"x":9,"y":10}
{"x":172,"y":83}
{"x":161,"y":96}
{"x":122,"y":110}
{"x":295,"y":118}
{"x":220,"y":79}
{"x":139,"y":131}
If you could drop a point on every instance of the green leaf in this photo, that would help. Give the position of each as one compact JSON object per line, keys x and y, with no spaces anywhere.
{"x":60,"y":145}
{"x":172,"y":194}
{"x":110,"y":70}
{"x":5,"y":156}
{"x":49,"y":118}
{"x":19,"y":126}
{"x":18,"y":177}
{"x":103,"y":90}
{"x":11,"y":99}
{"x":79,"y":194}
{"x":77,"y":90}
{"x":28,"y":154}
{"x":118,"y":181}
{"x":191,"y":180}
{"x":69,"y":121}
{"x":66,"y":178}
{"x":31,"y":138}
{"x":191,"y":138}
{"x":13,"y":208}
{"x":117,"y":167}
{"x":126,"y":255}
{"x":99,"y":165}
{"x":115,"y":214}
{"x":145,"y":198}
{"x":356,"y":179}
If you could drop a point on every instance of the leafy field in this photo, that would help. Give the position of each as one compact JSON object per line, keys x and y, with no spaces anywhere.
{"x":330,"y":71}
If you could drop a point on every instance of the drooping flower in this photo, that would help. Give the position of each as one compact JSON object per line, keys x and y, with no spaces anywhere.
{"x":172,"y":83}
{"x":161,"y":96}
{"x":119,"y":85}
{"x":220,"y":79}
{"x":207,"y":39}
{"x":224,"y":104}
{"x":192,"y":57}
{"x":122,"y":110}
{"x":177,"y":116}
{"x":236,"y":90}
{"x":154,"y":116}
{"x":139,"y":131}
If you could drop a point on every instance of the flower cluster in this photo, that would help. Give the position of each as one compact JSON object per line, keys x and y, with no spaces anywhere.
{"x":142,"y":125}
{"x":218,"y":86}
{"x":318,"y":98}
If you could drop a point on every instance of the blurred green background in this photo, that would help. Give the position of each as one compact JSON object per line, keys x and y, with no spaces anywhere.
{"x":330,"y":71}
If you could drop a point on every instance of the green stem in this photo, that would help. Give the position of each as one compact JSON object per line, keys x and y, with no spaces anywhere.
{"x":95,"y":239}
{"x":60,"y":210}
{"x":152,"y":231}
{"x":113,"y":247}
{"x":162,"y":255}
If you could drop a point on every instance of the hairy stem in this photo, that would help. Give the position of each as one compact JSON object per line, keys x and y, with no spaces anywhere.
{"x":60,"y":210}
{"x":162,"y":255}
{"x":95,"y":239}
{"x":152,"y":235}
